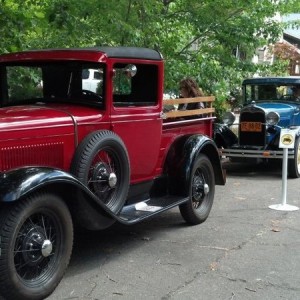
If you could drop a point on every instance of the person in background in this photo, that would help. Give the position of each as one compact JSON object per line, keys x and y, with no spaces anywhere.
{"x":296,"y":92}
{"x":189,"y":88}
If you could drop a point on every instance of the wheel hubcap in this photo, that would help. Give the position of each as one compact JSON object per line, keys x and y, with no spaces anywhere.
{"x":206,"y":189}
{"x":103,"y":180}
{"x":36,"y":246}
{"x":200,"y":188}
{"x":46,"y":248}
{"x":103,"y":175}
{"x":112,"y":180}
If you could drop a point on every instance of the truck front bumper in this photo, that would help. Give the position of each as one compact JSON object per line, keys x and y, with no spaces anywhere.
{"x":251,"y":153}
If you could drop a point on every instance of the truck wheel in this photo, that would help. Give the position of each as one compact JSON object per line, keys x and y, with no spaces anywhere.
{"x":294,"y":164}
{"x":101,"y":163}
{"x":202,"y":190}
{"x":36,"y":245}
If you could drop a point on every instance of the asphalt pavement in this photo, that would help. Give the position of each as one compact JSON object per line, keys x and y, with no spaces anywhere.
{"x":244,"y":250}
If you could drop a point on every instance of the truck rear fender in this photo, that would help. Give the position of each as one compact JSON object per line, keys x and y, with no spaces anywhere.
{"x":181,"y":157}
{"x":211,"y":151}
{"x":19,"y":183}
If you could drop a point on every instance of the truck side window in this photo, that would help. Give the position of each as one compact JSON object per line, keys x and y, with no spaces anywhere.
{"x":139,"y":90}
{"x":121,"y":82}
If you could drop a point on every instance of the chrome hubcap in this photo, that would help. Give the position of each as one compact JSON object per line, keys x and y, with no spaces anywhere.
{"x":206,"y":189}
{"x":46,"y":248}
{"x":112,"y":180}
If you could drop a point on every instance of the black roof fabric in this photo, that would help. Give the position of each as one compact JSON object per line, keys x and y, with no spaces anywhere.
{"x":121,"y":52}
{"x":273,"y":80}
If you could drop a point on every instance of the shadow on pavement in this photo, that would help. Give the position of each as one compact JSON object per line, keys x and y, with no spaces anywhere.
{"x":253,"y":170}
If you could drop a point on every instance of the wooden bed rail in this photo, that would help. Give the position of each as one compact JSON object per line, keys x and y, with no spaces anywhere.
{"x":208,"y":111}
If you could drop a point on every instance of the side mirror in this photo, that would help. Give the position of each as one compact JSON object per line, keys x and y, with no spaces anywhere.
{"x":130,"y":70}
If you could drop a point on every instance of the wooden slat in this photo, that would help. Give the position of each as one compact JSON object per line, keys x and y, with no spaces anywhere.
{"x":207,"y":112}
{"x":192,"y":112}
{"x":189,"y":100}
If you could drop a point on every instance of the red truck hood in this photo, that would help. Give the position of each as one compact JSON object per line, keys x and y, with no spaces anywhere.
{"x":36,"y":135}
{"x":18,"y":121}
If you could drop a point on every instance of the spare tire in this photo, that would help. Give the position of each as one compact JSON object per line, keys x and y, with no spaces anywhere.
{"x":101,"y":163}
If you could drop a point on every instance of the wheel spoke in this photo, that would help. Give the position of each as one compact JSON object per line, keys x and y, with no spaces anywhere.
{"x":29,"y":250}
{"x":198,"y":188}
{"x":32,"y":223}
{"x":45,"y":231}
{"x":102,"y":167}
{"x":98,"y":181}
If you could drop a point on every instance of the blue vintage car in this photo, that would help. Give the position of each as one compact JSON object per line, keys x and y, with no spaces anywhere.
{"x":269,"y":104}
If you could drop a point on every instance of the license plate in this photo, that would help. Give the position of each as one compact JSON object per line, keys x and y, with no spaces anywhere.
{"x":251,"y":126}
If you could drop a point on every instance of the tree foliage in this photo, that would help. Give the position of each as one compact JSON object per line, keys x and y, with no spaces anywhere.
{"x":197,"y":38}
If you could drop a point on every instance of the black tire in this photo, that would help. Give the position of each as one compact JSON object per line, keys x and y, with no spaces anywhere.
{"x":294,"y":164}
{"x":36,"y":246}
{"x":201,"y":190}
{"x":101,"y":163}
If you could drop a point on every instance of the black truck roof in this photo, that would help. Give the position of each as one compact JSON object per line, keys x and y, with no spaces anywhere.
{"x":118,"y":52}
{"x":288,"y":80}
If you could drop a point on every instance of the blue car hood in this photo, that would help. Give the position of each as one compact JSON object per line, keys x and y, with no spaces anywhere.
{"x":286,"y":111}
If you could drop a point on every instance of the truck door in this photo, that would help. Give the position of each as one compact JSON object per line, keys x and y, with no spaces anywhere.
{"x":136,"y":114}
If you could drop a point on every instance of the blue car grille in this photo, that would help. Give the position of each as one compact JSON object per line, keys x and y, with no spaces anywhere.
{"x":253,"y":138}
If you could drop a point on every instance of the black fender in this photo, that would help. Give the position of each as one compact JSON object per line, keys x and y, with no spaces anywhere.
{"x":223,"y":136}
{"x":19,"y":183}
{"x":181,"y":158}
{"x":276,"y":131}
{"x":274,"y":143}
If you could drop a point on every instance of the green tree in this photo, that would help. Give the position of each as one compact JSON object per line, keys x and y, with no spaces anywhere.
{"x":197,"y":38}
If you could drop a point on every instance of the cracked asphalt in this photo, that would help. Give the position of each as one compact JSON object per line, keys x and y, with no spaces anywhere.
{"x":244,"y":250}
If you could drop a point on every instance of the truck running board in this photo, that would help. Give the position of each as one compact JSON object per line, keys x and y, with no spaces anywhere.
{"x":140,"y":211}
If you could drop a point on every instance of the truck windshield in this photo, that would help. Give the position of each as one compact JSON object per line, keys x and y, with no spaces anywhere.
{"x":55,"y":81}
{"x":270,"y":93}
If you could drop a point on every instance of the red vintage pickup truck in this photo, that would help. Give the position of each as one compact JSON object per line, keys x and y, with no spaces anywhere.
{"x":72,"y":156}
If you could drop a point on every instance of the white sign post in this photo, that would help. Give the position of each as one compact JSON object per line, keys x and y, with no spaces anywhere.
{"x":287,"y":141}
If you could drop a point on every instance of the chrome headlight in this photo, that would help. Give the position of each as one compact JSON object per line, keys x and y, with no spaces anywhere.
{"x":228,"y":118}
{"x":272,"y":118}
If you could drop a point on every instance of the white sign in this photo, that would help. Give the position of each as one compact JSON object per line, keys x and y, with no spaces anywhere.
{"x":287,"y":138}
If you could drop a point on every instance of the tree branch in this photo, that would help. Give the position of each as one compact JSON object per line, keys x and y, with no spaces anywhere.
{"x":207,"y":30}
{"x":126,"y":20}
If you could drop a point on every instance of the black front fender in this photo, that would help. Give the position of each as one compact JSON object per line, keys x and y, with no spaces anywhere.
{"x":223,"y":136}
{"x":91,"y":212}
{"x":17,"y":183}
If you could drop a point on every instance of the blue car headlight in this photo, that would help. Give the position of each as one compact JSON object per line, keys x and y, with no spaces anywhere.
{"x":272,"y":118}
{"x":228,"y":118}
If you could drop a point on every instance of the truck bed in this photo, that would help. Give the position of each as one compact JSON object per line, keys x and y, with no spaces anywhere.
{"x":189,"y":121}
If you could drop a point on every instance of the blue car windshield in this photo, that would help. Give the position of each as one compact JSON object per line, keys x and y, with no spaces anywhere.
{"x":273,"y":93}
